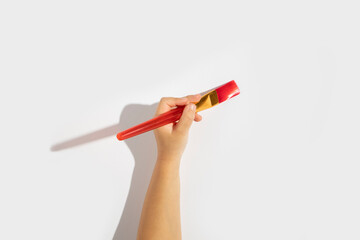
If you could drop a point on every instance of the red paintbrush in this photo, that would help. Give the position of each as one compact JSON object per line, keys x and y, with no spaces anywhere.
{"x":208,"y":100}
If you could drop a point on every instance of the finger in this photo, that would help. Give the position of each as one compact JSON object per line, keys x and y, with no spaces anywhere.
{"x":186,"y":119}
{"x":167,"y":103}
{"x":198,"y":117}
{"x":193,"y":98}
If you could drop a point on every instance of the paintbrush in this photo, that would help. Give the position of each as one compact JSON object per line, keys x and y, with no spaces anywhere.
{"x":209,"y":99}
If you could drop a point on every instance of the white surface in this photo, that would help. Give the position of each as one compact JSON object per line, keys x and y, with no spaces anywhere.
{"x":279,"y":161}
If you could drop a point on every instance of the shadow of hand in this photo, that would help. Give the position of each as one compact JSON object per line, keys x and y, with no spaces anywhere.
{"x":142,"y":147}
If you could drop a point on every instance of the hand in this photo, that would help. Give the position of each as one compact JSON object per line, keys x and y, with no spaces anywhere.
{"x":172,"y":138}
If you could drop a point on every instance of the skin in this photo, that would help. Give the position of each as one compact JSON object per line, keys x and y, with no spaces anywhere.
{"x":160,"y":216}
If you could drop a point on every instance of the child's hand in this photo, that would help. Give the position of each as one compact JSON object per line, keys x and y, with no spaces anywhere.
{"x":172,"y":138}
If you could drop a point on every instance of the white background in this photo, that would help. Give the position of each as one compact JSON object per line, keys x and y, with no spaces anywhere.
{"x":278,"y":161}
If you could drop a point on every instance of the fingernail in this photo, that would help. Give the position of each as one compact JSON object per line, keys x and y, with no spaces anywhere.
{"x":192,"y":106}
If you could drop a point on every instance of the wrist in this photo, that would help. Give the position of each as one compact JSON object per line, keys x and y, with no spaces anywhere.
{"x":171,"y":161}
{"x":169,"y":155}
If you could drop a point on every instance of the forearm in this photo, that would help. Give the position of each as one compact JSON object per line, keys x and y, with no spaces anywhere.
{"x":160,"y":217}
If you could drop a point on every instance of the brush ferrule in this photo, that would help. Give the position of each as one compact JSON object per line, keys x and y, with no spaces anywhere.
{"x":209,"y":100}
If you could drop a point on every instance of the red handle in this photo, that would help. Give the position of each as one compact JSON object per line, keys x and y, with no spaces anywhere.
{"x":161,"y":120}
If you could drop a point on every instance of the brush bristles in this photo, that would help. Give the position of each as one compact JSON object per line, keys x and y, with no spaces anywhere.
{"x":227,"y":91}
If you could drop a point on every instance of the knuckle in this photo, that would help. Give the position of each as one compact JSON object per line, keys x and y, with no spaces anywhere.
{"x":165,"y":99}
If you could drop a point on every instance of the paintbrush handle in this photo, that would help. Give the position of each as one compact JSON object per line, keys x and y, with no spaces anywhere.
{"x":156,"y":122}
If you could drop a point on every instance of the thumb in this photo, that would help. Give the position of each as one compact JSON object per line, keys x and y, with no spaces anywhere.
{"x":186,"y":118}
